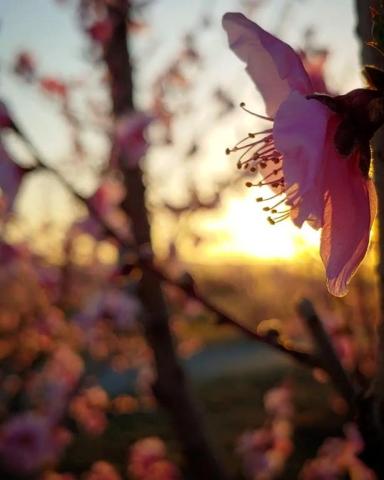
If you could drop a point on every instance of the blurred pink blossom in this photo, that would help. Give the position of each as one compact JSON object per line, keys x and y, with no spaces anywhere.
{"x":102,"y":470}
{"x":100,"y":31}
{"x":130,"y":141}
{"x":162,"y":470}
{"x":338,"y":457}
{"x":11,"y":176}
{"x":25,"y":65}
{"x":28,"y":442}
{"x":54,"y":86}
{"x":313,"y":177}
{"x":89,"y":410}
{"x":265,"y":450}
{"x":57,"y":476}
{"x":106,"y":201}
{"x":112,"y":304}
{"x":50,"y":388}
{"x":278,"y":401}
{"x":147,"y":461}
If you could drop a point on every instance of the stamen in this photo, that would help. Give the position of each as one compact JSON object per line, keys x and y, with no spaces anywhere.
{"x":253,"y":134}
{"x":280,"y":202}
{"x":261,"y":199}
{"x":256,"y":157}
{"x":258,"y":152}
{"x":274,"y":172}
{"x":279,"y":219}
{"x":236,"y":148}
{"x":242,"y":105}
{"x":245,"y":163}
{"x":283,"y":212}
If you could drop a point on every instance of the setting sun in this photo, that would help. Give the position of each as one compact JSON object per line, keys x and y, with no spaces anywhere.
{"x":242,"y":230}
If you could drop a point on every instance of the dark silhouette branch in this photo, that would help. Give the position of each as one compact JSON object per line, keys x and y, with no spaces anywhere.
{"x":171,"y":387}
{"x":327,"y":354}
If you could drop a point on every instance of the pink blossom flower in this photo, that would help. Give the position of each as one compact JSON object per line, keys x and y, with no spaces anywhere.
{"x":338,"y":457}
{"x":11,"y":176}
{"x":100,"y":31}
{"x":28,"y":442}
{"x":106,"y":201}
{"x":145,"y":452}
{"x":162,"y":470}
{"x":57,"y":476}
{"x":120,"y":308}
{"x":88,"y":409}
{"x":51,"y":387}
{"x":315,"y":157}
{"x":148,"y":461}
{"x":278,"y":401}
{"x":102,"y":470}
{"x":53,"y":86}
{"x":25,"y":65}
{"x":130,"y":139}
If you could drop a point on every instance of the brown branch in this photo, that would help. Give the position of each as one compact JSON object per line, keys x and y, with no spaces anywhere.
{"x":328,"y":356}
{"x":171,"y":387}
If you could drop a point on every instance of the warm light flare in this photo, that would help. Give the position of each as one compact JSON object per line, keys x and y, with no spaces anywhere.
{"x":242,"y":230}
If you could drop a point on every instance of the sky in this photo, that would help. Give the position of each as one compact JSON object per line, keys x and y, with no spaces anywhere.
{"x":52,"y":33}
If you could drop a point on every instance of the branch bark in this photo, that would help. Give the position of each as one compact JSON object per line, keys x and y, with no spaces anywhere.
{"x":328,"y":356}
{"x":171,"y":387}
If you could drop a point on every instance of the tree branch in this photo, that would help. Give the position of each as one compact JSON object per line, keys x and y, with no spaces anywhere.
{"x":328,"y":356}
{"x":171,"y":387}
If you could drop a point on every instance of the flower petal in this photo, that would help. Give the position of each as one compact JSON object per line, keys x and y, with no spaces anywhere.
{"x":299,"y":132}
{"x":349,"y":211}
{"x":273,"y":65}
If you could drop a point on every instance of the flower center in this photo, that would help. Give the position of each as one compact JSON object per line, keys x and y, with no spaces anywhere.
{"x":258,"y":155}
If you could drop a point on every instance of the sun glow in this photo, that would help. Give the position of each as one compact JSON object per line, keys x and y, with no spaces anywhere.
{"x":242,"y":230}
